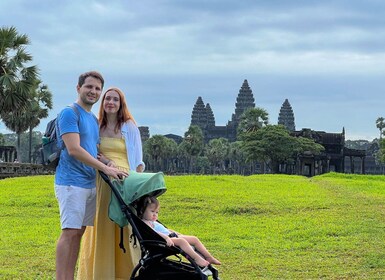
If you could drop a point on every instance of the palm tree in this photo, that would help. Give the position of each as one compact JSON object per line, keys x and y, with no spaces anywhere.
{"x":380,"y":124}
{"x":154,"y":148}
{"x":17,"y":122}
{"x":40,"y":102}
{"x":16,"y":78}
{"x":170,"y":154}
{"x":216,"y":151}
{"x":193,"y":139}
{"x":252,"y":120}
{"x":237,"y":157}
{"x":28,"y":117}
{"x":183,"y":157}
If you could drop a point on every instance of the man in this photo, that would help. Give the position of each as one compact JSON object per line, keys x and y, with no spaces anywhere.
{"x":75,"y":177}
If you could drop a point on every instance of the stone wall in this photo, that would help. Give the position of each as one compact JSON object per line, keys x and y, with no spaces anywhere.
{"x":8,"y":170}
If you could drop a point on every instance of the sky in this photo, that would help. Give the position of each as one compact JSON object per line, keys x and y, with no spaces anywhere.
{"x":326,"y":57}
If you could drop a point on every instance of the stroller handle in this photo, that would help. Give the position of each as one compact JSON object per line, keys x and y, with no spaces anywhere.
{"x":114,"y":190}
{"x":123,"y":206}
{"x":104,"y":176}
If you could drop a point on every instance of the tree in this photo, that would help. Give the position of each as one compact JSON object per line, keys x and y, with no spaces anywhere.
{"x":380,"y":124}
{"x":16,"y":78}
{"x":271,"y":144}
{"x":357,"y":144}
{"x":307,"y":145}
{"x":18,"y":123}
{"x":252,"y":120}
{"x":28,"y":117}
{"x":237,"y":158}
{"x":217,"y":151}
{"x":154,"y":148}
{"x":274,"y":145}
{"x":202,"y":164}
{"x":11,"y":140}
{"x":381,"y":152}
{"x":183,"y":157}
{"x":193,"y":143}
{"x":40,"y":102}
{"x":169,"y":154}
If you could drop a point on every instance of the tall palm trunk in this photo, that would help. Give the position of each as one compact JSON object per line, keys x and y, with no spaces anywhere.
{"x":30,"y":145}
{"x":18,"y":147}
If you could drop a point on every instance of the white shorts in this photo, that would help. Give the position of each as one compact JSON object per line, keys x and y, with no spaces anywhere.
{"x":77,"y":206}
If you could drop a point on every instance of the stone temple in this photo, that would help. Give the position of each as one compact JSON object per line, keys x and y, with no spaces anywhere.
{"x":332,"y":159}
{"x":203,"y":116}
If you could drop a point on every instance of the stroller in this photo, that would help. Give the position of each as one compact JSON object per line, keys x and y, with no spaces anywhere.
{"x":158,"y":261}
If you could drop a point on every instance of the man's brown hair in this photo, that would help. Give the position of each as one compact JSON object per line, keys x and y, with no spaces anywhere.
{"x":93,"y":74}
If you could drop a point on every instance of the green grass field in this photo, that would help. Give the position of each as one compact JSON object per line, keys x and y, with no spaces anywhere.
{"x":260,"y":227}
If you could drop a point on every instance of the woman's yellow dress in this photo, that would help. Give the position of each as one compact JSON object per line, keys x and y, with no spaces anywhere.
{"x":100,"y":256}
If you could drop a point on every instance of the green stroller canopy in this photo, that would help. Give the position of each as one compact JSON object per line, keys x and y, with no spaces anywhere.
{"x":132,"y":188}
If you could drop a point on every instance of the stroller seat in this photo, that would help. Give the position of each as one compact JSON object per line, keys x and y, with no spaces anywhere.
{"x":158,"y":261}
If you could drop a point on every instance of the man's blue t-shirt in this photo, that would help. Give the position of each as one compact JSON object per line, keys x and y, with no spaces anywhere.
{"x":71,"y":171}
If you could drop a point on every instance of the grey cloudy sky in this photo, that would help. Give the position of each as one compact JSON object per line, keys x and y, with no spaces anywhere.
{"x":327,"y":57}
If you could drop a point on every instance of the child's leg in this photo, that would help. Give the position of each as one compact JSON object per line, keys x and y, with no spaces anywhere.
{"x":194,"y":241}
{"x":185,"y":246}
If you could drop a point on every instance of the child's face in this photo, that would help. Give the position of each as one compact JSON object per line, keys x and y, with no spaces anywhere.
{"x":151,"y":212}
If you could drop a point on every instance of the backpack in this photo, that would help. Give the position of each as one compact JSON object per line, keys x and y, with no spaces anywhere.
{"x":51,"y":146}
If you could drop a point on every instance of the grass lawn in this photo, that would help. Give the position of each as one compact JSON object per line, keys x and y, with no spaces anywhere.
{"x":260,"y":227}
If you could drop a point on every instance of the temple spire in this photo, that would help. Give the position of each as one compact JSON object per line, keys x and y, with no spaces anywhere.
{"x":202,"y":115}
{"x":245,"y":100}
{"x":210,"y":116}
{"x":199,"y":114}
{"x":286,"y":116}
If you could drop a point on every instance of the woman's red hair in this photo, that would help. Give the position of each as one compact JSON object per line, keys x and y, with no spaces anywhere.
{"x":123,"y":113}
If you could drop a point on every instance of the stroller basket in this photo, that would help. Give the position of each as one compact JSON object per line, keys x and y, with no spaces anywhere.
{"x":158,"y":261}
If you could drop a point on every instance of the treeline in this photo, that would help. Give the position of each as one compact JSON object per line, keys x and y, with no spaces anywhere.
{"x":191,"y":155}
{"x":261,"y":148}
{"x":11,"y":139}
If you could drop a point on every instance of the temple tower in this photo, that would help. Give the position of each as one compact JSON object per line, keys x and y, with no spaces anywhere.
{"x":286,"y":116}
{"x":245,"y":100}
{"x":199,"y":114}
{"x":203,"y":116}
{"x":210,"y":116}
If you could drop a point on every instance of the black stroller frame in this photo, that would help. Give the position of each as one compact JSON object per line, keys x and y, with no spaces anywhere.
{"x":159,"y":261}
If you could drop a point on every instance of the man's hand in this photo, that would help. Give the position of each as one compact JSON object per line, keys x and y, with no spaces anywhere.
{"x":115,"y":173}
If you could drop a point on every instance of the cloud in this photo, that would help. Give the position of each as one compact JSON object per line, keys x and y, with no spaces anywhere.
{"x":326,"y":57}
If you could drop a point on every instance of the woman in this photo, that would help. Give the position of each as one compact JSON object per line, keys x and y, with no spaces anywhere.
{"x":120,"y":146}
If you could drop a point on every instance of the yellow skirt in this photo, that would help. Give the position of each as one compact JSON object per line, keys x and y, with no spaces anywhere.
{"x":100,"y":256}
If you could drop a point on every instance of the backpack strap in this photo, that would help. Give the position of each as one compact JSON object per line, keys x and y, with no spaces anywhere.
{"x":76,"y":110}
{"x":60,"y":142}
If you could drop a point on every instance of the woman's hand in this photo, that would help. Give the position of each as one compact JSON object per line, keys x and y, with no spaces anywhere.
{"x":111,"y":163}
{"x":106,"y":161}
{"x":139,"y":168}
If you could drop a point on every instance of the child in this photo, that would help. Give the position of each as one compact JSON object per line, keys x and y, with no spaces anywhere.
{"x":149,"y":214}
